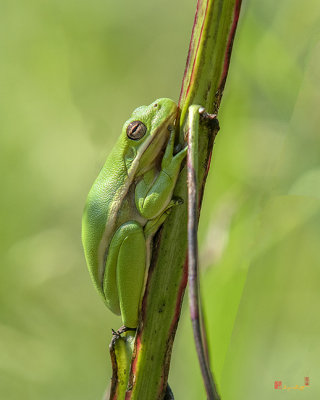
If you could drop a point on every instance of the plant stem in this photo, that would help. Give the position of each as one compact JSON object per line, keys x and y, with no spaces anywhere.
{"x":203,"y":83}
{"x":198,"y":326}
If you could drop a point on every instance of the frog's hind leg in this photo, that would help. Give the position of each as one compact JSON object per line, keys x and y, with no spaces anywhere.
{"x":127,"y":257}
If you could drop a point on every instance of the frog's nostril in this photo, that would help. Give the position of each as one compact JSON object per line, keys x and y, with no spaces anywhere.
{"x":155,"y":105}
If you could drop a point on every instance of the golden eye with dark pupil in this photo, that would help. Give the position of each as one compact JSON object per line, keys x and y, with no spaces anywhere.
{"x":136,"y":130}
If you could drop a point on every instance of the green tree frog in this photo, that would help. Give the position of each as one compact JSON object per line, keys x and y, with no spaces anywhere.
{"x":126,"y":205}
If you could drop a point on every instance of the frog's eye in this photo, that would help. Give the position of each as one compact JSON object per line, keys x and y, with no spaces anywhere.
{"x":136,"y":130}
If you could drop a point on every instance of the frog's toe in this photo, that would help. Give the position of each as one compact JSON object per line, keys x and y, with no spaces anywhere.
{"x":177,"y":201}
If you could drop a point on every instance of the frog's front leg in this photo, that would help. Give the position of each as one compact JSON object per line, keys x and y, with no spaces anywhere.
{"x":125,"y":272}
{"x":154,"y":192}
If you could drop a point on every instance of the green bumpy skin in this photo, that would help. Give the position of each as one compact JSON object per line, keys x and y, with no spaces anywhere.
{"x":126,"y":205}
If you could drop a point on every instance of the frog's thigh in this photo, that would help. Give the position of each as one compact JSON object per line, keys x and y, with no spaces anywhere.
{"x":110,"y":289}
{"x":128,"y":251}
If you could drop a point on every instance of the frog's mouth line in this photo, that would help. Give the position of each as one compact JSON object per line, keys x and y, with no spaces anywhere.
{"x":156,"y":137}
{"x":158,"y":141}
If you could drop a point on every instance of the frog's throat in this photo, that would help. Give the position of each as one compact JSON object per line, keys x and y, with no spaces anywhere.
{"x":120,"y":194}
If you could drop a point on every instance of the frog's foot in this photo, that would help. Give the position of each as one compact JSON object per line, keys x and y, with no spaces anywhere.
{"x":154,"y":224}
{"x":175,"y":201}
{"x":121,"y":330}
{"x":171,"y":162}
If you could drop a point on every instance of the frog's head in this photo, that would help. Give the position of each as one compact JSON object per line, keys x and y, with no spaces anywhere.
{"x":145,"y":134}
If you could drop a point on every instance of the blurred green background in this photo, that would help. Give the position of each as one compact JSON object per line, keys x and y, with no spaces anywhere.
{"x":70,"y":75}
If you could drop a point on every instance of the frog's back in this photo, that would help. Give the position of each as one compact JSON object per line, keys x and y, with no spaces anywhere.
{"x":100,"y":213}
